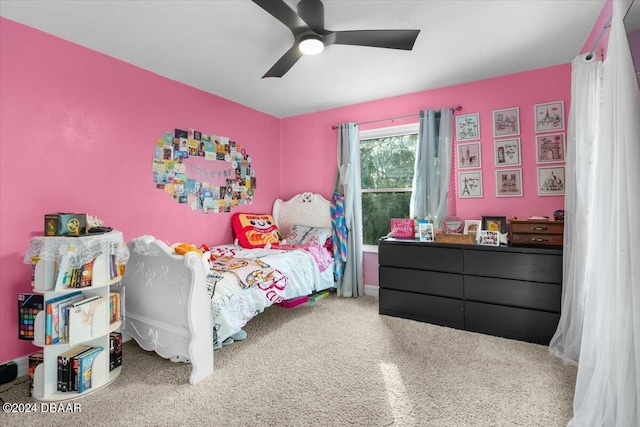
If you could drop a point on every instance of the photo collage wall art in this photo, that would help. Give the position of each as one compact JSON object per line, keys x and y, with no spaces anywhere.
{"x":209,"y":173}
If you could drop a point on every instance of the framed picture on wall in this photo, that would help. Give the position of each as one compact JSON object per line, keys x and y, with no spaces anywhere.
{"x":469,"y":184}
{"x":551,"y":181}
{"x":507,"y":152}
{"x":506,"y":122}
{"x":549,"y":116}
{"x":509,"y":183}
{"x":469,"y":155}
{"x":550,"y":148}
{"x":468,"y":127}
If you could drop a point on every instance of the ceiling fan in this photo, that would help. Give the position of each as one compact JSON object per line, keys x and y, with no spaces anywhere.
{"x":311,"y":37}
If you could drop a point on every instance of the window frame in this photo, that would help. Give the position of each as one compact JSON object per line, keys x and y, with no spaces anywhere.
{"x":384,"y":132}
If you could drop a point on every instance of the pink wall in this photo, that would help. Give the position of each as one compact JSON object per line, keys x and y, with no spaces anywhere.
{"x":310,"y":142}
{"x":78,"y":135}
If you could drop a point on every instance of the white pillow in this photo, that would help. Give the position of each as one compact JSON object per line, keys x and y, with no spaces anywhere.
{"x":304,"y":235}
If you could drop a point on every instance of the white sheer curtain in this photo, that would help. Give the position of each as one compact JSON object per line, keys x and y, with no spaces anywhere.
{"x":347,"y":183}
{"x":608,"y":373}
{"x":583,"y":127}
{"x":432,"y":168}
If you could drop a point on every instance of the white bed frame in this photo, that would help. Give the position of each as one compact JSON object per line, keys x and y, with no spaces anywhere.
{"x":167,"y":308}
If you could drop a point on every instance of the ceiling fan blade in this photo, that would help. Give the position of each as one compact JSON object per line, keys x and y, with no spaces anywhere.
{"x":283,"y":13}
{"x":284,"y":63}
{"x":392,"y":39}
{"x":312,"y":12}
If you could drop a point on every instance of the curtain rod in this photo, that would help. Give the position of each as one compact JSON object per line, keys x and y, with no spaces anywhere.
{"x":458,"y":108}
{"x":607,"y":25}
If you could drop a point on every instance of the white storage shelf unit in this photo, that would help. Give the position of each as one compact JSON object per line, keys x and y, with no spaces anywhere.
{"x":46,"y":373}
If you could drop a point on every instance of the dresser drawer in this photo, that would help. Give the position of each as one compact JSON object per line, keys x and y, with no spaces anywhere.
{"x":536,"y":239}
{"x":537,"y":227}
{"x":532,"y":267}
{"x":537,"y":233}
{"x":509,"y":322}
{"x":423,"y":282}
{"x":424,"y":308}
{"x":420,"y":257}
{"x":516,"y":293}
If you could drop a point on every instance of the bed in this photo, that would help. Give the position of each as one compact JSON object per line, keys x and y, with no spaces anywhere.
{"x":178,"y":306}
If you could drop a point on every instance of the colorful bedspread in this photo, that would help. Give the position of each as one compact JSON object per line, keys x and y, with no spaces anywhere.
{"x":254,"y":272}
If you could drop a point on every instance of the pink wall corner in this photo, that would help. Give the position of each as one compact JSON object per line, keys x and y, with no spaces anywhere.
{"x":598,"y":26}
{"x":309,"y":142}
{"x":78,"y":134}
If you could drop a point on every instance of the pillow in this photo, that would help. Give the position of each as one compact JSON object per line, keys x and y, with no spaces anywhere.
{"x":304,"y":235}
{"x":255,"y":231}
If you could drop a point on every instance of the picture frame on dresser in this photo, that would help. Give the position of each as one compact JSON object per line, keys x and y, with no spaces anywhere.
{"x":494,"y":223}
{"x":472,"y":226}
{"x":488,"y":238}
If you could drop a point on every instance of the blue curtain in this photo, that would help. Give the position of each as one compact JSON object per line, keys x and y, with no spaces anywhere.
{"x":432,"y":167}
{"x":347,"y":210}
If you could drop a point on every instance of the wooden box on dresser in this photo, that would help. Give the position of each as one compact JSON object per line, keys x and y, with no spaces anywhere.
{"x":512,"y":292}
{"x":99,"y":256}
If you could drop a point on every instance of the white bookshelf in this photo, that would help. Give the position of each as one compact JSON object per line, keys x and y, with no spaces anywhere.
{"x":101,"y":248}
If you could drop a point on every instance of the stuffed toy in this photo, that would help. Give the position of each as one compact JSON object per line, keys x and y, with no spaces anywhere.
{"x":184,"y":248}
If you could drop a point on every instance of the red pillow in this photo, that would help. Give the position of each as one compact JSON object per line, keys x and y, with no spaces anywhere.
{"x":255,"y":230}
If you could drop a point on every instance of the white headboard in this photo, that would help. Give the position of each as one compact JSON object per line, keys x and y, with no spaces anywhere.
{"x":308,"y":209}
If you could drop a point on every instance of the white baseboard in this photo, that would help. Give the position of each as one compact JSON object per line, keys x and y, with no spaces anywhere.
{"x":371,"y":290}
{"x":23,"y":365}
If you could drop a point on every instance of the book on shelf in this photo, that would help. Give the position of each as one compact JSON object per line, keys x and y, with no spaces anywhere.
{"x":68,"y":276}
{"x":115,"y":350}
{"x":34,"y":360}
{"x":85,"y":368}
{"x":63,"y":317}
{"x":114,"y":307}
{"x":65,"y":369}
{"x":81,"y":319}
{"x":52,"y":317}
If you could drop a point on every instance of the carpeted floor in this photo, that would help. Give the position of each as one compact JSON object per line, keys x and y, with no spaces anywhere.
{"x":336,"y":363}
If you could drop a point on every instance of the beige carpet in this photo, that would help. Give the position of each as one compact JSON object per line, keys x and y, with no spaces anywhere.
{"x":337,"y":363}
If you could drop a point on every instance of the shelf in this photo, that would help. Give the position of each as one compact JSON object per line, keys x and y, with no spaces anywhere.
{"x":45,"y":276}
{"x":101,"y":377}
{"x":88,"y":324}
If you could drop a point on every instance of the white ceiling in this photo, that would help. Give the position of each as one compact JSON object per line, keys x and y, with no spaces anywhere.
{"x":224,"y":47}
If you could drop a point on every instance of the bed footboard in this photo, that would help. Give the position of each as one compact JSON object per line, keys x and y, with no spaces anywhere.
{"x":167,"y":307}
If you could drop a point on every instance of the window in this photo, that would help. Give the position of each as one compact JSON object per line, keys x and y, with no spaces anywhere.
{"x":387,"y":159}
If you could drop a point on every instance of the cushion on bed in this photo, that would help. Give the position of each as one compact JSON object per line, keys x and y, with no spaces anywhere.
{"x":255,"y":230}
{"x":304,"y":235}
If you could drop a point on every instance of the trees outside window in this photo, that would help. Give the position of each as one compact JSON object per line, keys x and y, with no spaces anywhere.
{"x":387,"y":159}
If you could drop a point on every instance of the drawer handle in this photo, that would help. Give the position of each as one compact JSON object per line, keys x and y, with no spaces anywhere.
{"x":539,"y":228}
{"x":539,"y":239}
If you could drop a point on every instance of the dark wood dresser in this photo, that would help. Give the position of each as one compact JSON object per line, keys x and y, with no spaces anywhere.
{"x":512,"y":292}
